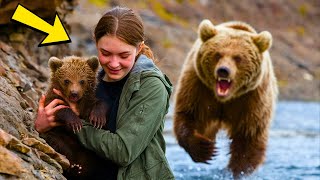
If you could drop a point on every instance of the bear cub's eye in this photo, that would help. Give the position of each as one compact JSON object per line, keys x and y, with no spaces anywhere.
{"x":81,"y":82}
{"x":66,"y":81}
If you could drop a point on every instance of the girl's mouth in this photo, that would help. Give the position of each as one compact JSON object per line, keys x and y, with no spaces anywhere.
{"x":114,"y":71}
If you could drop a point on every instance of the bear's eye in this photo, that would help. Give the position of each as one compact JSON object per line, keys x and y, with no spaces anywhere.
{"x":66,"y":81}
{"x":81,"y":82}
{"x":217,"y":56}
{"x":237,"y":58}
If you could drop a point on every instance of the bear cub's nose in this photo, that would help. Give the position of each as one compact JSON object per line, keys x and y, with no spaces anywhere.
{"x":74,"y":94}
{"x":223,"y":72}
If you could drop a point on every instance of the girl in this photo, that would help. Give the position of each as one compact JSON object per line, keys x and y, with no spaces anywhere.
{"x":138,"y":94}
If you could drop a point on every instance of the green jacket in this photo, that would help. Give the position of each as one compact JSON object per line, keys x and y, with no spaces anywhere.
{"x":137,"y":146}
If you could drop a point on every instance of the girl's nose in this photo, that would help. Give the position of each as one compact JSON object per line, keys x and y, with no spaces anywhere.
{"x":114,"y":62}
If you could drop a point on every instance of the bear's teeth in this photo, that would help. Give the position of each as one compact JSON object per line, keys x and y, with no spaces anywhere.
{"x":223,"y":86}
{"x":224,"y":79}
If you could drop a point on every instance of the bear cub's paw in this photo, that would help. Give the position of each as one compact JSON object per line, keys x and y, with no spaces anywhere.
{"x":75,"y":169}
{"x":98,"y":115}
{"x":74,"y":123}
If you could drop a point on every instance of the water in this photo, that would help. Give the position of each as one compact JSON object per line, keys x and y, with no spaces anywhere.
{"x":293,"y":149}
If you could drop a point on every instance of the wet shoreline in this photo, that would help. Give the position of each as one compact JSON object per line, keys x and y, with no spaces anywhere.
{"x":293,"y":148}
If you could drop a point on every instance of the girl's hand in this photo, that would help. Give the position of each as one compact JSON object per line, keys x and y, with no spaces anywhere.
{"x":45,"y":118}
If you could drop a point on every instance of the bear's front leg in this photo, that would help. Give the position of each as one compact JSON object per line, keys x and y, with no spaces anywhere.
{"x":98,"y":114}
{"x":199,"y":147}
{"x":247,"y":153}
{"x":68,"y":117}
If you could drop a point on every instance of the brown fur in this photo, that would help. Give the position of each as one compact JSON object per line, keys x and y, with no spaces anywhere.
{"x":245,"y":112}
{"x":74,"y":70}
{"x":75,"y":77}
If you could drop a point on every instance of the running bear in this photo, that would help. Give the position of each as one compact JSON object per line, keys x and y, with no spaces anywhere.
{"x":228,"y":82}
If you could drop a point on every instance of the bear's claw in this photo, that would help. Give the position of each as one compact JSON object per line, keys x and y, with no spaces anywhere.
{"x":75,"y":125}
{"x":77,"y":168}
{"x":203,"y":149}
{"x":98,"y":115}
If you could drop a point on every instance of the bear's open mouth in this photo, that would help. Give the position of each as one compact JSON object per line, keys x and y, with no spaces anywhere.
{"x":73,"y":98}
{"x":223,"y":86}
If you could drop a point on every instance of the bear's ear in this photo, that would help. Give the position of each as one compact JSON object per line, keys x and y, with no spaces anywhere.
{"x":263,"y":41}
{"x":93,"y":62}
{"x":206,"y":30}
{"x":55,"y":63}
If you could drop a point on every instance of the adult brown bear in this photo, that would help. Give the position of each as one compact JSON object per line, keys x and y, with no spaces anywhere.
{"x":227,"y":82}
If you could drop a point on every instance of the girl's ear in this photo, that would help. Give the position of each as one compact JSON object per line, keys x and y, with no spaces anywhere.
{"x":141,"y":45}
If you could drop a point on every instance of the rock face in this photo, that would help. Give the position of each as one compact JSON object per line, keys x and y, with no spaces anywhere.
{"x":23,"y":78}
{"x":44,"y":9}
{"x":29,"y":158}
{"x":22,"y":153}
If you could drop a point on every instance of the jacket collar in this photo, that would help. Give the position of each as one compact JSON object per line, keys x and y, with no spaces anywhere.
{"x":143,"y":63}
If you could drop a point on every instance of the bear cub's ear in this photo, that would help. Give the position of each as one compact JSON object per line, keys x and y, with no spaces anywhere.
{"x":263,"y":41}
{"x":206,"y":30}
{"x":93,"y":62}
{"x":55,"y":63}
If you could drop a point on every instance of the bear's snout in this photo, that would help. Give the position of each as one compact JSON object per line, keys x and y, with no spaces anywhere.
{"x":223,"y":72}
{"x":74,"y":96}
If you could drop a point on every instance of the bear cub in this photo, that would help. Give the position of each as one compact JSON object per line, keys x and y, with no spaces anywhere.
{"x":75,"y":78}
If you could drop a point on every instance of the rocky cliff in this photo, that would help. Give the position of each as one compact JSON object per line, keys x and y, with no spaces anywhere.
{"x":23,"y":77}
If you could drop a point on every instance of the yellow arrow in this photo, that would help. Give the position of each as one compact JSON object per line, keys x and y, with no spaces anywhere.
{"x":56,"y":33}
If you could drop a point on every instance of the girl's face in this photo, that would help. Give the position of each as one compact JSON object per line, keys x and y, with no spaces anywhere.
{"x":116,"y":57}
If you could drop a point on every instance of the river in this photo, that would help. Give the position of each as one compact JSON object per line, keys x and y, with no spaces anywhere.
{"x":293,"y":151}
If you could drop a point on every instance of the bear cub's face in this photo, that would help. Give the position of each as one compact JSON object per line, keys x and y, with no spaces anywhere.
{"x":73,"y":75}
{"x":229,"y":59}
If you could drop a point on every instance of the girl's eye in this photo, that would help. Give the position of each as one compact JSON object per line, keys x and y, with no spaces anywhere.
{"x":81,"y":82}
{"x":105,"y":54}
{"x":124,"y":56}
{"x":66,"y":81}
